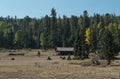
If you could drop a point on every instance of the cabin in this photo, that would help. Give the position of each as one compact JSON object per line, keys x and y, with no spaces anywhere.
{"x":65,"y":50}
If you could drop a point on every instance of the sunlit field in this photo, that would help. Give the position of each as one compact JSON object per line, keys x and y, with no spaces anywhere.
{"x":30,"y":66}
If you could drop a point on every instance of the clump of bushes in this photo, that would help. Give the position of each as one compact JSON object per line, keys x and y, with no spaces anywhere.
{"x":94,"y":59}
{"x":49,"y":58}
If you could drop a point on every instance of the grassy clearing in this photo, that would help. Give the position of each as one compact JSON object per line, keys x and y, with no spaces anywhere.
{"x":23,"y":67}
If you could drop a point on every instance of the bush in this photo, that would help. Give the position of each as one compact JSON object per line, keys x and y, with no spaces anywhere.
{"x":38,"y":54}
{"x":12,"y":58}
{"x":14,"y":50}
{"x":92,"y":55}
{"x":94,"y":59}
{"x":49,"y":58}
{"x":69,"y":58}
{"x":9,"y":51}
{"x":76,"y":58}
{"x":63,"y":58}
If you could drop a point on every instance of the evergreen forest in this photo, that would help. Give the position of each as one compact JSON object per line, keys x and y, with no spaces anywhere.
{"x":85,"y":33}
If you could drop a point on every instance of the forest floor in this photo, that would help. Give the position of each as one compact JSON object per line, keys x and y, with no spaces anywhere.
{"x":31,"y":66}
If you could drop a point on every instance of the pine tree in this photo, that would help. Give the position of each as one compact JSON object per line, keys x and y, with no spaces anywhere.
{"x":59,"y":32}
{"x":1,"y":39}
{"x":65,"y":32}
{"x":106,"y":45}
{"x":78,"y":45}
{"x":53,"y":31}
{"x":45,"y":32}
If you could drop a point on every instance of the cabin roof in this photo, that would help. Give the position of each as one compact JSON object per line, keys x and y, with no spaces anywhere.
{"x":68,"y":49}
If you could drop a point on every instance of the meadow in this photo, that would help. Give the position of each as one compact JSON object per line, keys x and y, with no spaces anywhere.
{"x":31,"y":66}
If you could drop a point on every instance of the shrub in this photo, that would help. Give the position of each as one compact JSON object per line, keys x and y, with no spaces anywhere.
{"x":69,"y":58}
{"x":94,"y":59}
{"x":92,"y":55}
{"x":12,"y":58}
{"x":9,"y":51}
{"x":76,"y":58}
{"x":63,"y":58}
{"x":14,"y":50}
{"x":49,"y":58}
{"x":38,"y":54}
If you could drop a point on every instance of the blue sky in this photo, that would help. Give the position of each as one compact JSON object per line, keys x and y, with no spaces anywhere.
{"x":39,"y":8}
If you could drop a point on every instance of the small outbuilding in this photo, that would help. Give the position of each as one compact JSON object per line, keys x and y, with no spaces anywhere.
{"x":65,"y":50}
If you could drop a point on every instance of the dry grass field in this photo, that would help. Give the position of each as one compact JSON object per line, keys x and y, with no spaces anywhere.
{"x":31,"y":66}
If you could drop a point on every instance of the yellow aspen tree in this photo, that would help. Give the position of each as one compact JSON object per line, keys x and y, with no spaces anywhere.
{"x":87,"y":35}
{"x":99,"y":25}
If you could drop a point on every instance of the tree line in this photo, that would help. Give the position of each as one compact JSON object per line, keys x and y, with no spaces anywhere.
{"x":85,"y":33}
